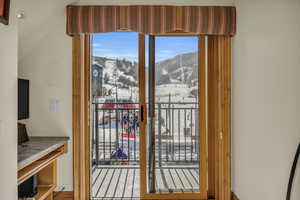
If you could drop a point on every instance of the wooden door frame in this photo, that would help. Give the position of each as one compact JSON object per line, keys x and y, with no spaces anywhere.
{"x":81,"y":116}
{"x":219,"y":177}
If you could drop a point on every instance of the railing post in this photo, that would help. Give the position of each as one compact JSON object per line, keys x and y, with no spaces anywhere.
{"x":117,"y":127}
{"x":135,"y":132}
{"x":159,"y":134}
{"x":185,"y":135}
{"x":197,"y":131}
{"x":128,"y":132}
{"x":103,"y":137}
{"x":169,"y":128}
{"x":97,"y":134}
{"x":173,"y":145}
{"x":179,"y":150}
{"x":93,"y":137}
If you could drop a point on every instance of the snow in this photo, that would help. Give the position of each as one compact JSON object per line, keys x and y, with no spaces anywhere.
{"x":178,"y":89}
{"x":164,"y":72}
{"x":109,"y":67}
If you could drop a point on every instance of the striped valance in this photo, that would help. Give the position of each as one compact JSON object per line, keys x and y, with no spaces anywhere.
{"x":209,"y":20}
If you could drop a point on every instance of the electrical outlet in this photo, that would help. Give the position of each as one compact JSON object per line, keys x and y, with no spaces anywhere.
{"x":61,"y":188}
{"x":64,"y":187}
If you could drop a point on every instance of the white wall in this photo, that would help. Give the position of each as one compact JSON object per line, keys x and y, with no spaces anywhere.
{"x":45,"y":58}
{"x":8,"y":108}
{"x":266,"y":97}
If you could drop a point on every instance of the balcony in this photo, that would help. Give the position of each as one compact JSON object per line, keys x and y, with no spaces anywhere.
{"x":116,"y":149}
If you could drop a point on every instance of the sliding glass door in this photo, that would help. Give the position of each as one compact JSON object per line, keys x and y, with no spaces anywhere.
{"x":149,"y":116}
{"x":173,"y":117}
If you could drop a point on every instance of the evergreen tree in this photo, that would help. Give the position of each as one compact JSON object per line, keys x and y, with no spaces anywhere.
{"x":106,"y":78}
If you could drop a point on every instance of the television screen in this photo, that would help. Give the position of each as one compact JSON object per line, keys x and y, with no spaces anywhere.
{"x":23,"y":99}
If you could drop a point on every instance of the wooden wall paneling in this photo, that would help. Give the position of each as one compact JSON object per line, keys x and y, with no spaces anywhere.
{"x":227,"y":116}
{"x":87,"y":116}
{"x":82,"y":119}
{"x":219,"y":117}
{"x":224,"y":88}
{"x":76,"y":113}
{"x":81,"y":116}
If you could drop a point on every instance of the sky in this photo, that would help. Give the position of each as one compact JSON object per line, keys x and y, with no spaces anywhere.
{"x":125,"y":45}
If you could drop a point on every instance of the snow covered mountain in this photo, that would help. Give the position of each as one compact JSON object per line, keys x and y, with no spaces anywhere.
{"x":121,"y":72}
{"x":179,"y":69}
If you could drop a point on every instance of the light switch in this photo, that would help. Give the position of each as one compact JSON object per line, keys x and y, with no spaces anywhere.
{"x":54,"y":105}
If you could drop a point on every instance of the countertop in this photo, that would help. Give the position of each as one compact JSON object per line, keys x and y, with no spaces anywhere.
{"x":36,"y":148}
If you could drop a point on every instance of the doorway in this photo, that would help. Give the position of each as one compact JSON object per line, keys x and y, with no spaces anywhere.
{"x":149,"y":136}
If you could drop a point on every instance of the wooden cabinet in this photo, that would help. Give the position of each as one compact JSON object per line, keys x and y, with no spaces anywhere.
{"x":45,"y":168}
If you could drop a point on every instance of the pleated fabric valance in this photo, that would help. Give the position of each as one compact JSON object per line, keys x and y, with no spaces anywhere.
{"x":208,"y":20}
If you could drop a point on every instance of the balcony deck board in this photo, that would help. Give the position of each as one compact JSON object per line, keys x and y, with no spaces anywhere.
{"x":122,"y":182}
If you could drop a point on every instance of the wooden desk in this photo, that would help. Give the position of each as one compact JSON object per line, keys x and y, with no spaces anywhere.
{"x":39,"y":156}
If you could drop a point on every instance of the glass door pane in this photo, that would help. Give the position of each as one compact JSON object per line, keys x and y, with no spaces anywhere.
{"x":116,"y":130}
{"x":173,"y":122}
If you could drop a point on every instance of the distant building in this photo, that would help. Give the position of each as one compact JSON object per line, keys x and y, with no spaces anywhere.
{"x":97,"y":80}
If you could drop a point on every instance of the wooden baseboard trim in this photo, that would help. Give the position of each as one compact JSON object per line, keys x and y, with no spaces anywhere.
{"x":233,"y":196}
{"x":65,"y":195}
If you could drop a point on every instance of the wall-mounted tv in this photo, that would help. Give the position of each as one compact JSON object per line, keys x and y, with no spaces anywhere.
{"x":23,"y":99}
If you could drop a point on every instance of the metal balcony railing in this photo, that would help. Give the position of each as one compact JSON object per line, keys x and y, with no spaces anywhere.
{"x":116,"y":133}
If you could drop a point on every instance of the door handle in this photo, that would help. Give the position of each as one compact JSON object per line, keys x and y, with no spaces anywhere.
{"x":142,"y":113}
